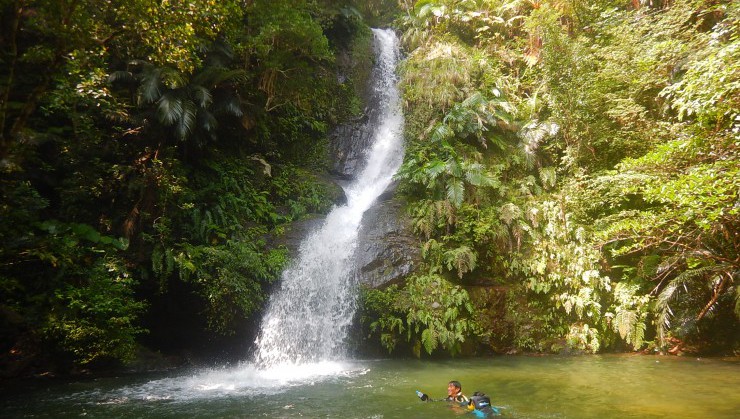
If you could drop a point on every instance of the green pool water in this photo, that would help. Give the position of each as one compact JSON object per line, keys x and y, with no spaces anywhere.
{"x":609,"y":386}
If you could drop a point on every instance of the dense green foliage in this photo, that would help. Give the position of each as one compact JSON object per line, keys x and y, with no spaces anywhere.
{"x":429,"y":312}
{"x":571,"y":166}
{"x":582,"y":156}
{"x":154,"y":151}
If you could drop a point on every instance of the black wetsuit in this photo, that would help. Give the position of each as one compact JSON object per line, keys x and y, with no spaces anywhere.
{"x":458,"y":398}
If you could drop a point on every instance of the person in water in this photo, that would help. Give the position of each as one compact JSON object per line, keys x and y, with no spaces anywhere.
{"x":454,"y":394}
{"x":479,"y":403}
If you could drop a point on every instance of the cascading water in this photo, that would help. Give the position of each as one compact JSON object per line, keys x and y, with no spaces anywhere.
{"x":308,"y":317}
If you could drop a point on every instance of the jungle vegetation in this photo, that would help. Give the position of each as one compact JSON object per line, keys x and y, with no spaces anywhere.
{"x":150,"y":152}
{"x":572,"y":169}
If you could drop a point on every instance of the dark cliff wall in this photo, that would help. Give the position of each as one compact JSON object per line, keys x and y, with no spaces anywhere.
{"x":387,"y":250}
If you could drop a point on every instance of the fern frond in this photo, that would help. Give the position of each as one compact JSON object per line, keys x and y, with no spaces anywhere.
{"x":455,"y":192}
{"x":444,"y":210}
{"x":462,"y":259}
{"x":509,"y":212}
{"x":434,"y":168}
{"x":475,"y":175}
{"x":475,"y":101}
{"x":441,"y":132}
{"x":662,"y":302}
{"x":429,"y":340}
{"x":548,"y":176}
{"x":630,"y":328}
{"x":429,"y":247}
{"x":454,"y":168}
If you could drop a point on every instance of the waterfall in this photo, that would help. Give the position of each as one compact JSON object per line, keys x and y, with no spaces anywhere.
{"x":308,"y":317}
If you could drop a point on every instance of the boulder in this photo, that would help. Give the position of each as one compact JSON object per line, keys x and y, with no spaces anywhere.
{"x":387,"y":250}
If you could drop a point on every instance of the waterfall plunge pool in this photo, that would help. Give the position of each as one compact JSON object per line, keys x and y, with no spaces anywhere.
{"x":603,"y":386}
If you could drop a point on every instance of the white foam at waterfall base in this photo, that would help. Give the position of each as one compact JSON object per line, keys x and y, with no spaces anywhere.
{"x":243,"y":380}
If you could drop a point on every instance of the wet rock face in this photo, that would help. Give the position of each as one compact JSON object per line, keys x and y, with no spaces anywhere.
{"x":348,"y":143}
{"x":387,"y":250}
{"x":296,"y":232}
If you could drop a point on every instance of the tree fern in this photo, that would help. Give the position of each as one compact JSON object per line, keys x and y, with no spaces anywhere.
{"x":670,"y":292}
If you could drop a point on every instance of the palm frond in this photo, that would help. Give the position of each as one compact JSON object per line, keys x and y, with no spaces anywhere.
{"x":233,"y":106}
{"x":186,"y":124}
{"x":121,"y":76}
{"x":230,"y":75}
{"x":151,"y":86}
{"x":202,"y":96}
{"x":207,"y":121}
{"x":170,"y":107}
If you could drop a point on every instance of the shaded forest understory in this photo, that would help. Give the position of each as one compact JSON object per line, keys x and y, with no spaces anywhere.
{"x":571,"y":173}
